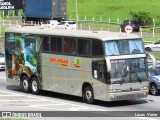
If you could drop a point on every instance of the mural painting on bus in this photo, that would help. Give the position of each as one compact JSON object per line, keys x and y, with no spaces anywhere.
{"x":23,"y":56}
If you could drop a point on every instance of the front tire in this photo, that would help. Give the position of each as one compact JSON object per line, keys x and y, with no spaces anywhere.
{"x":35,"y":85}
{"x":88,"y":95}
{"x":154,"y":89}
{"x":26,"y":87}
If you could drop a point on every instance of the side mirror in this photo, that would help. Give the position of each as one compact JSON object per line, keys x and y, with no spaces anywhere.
{"x":153,"y":60}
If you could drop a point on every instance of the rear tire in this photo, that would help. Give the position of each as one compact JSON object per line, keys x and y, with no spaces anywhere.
{"x":88,"y":95}
{"x":154,"y":89}
{"x":26,"y":87}
{"x":35,"y":85}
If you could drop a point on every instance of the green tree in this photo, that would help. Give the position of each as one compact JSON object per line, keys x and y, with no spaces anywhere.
{"x":143,"y":18}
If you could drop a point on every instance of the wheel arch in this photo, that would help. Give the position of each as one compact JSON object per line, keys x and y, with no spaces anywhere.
{"x":84,"y":85}
{"x":33,"y":75}
{"x":22,"y":75}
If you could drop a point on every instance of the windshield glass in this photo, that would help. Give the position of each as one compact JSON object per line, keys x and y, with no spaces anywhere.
{"x":154,"y":72}
{"x":123,"y":47}
{"x":128,"y":71}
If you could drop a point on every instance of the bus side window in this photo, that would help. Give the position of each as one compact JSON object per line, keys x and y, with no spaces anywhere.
{"x":53,"y":44}
{"x":69,"y":46}
{"x":84,"y":47}
{"x":59,"y":44}
{"x":56,"y":44}
{"x":46,"y":44}
{"x":97,"y":48}
{"x":66,"y":45}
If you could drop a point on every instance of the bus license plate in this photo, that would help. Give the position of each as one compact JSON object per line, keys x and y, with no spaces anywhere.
{"x":130,"y":96}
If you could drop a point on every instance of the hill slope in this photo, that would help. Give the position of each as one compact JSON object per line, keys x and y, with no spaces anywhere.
{"x":112,"y":9}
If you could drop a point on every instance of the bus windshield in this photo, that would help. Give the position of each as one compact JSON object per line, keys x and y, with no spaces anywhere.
{"x":123,"y":47}
{"x":128,"y":71}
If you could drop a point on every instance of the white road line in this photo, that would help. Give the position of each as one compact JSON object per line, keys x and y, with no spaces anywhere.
{"x":146,"y":118}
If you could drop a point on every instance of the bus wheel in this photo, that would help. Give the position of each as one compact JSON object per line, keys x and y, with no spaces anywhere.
{"x":35,"y":85}
{"x":25,"y":84}
{"x":88,"y":95}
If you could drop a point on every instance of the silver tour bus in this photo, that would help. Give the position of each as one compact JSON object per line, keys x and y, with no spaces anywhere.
{"x":101,"y":65}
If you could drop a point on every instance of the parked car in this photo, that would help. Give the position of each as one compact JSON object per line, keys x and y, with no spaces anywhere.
{"x":67,"y":25}
{"x":153,"y":46}
{"x":132,"y":23}
{"x":50,"y":23}
{"x":2,"y":61}
{"x":154,"y":80}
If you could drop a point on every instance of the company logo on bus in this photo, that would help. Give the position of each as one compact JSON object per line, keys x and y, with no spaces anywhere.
{"x":130,"y":89}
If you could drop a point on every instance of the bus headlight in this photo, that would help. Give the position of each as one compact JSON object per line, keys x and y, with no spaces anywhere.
{"x":145,"y":88}
{"x":114,"y":90}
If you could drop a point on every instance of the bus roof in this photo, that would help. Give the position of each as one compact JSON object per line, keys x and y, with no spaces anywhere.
{"x":101,"y":35}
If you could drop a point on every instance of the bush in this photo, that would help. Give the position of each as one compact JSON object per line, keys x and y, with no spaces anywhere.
{"x":143,"y":18}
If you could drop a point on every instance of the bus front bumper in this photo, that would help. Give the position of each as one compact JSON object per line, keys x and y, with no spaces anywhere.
{"x":128,"y":95}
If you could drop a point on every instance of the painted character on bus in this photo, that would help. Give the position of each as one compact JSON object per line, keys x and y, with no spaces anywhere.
{"x":30,"y":57}
{"x":18,"y":61}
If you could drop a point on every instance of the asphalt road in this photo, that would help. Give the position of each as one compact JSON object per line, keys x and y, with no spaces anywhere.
{"x":12,"y":99}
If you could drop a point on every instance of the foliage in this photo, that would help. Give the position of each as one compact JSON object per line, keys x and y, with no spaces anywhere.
{"x":143,"y":18}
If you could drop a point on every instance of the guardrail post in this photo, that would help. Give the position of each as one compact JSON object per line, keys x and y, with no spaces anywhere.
{"x":117,"y":22}
{"x":109,"y":20}
{"x":141,"y":32}
{"x":70,"y":17}
{"x":89,"y":28}
{"x":16,"y":23}
{"x":85,"y":18}
{"x":10,"y":24}
{"x":154,"y":22}
{"x":3,"y":22}
{"x":100,"y":18}
{"x":80,"y":26}
{"x":13,"y":13}
{"x":93,"y":18}
{"x":3,"y":13}
{"x":153,"y":32}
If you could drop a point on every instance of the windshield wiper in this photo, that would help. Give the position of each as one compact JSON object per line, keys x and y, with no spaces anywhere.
{"x":124,"y":73}
{"x":135,"y":73}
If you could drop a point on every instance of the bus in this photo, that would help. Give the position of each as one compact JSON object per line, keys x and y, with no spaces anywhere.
{"x":107,"y":66}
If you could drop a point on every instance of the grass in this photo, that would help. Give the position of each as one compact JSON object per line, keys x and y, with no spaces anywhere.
{"x":112,"y":9}
{"x":150,"y":39}
{"x":156,"y":54}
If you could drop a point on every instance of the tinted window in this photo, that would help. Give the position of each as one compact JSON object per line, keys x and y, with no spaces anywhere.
{"x":46,"y":43}
{"x":56,"y":44}
{"x":71,"y":22}
{"x":69,"y":45}
{"x":53,"y":44}
{"x":84,"y":47}
{"x":62,"y":23}
{"x":59,"y":44}
{"x":133,"y":22}
{"x":97,"y":48}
